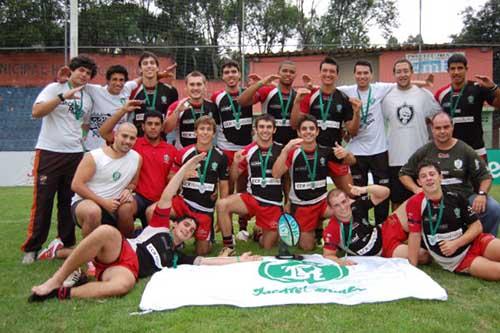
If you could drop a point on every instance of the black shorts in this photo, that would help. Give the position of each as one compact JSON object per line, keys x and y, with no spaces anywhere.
{"x":106,"y":217}
{"x":376,"y":164}
{"x":142,"y":204}
{"x":399,"y":193}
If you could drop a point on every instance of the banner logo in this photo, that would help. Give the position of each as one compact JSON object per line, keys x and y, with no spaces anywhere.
{"x":293,"y":271}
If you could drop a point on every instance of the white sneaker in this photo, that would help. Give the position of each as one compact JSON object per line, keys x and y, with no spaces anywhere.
{"x":50,"y":252}
{"x":75,"y":279}
{"x":29,"y":257}
{"x":243,"y":235}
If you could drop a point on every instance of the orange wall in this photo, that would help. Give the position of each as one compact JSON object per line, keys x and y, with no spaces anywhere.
{"x":479,"y":62}
{"x":38,"y":69}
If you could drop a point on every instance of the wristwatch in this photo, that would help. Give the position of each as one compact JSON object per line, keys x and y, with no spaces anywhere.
{"x":61,"y":97}
{"x":482,"y":193}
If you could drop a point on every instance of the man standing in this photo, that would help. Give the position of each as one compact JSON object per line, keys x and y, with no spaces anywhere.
{"x":200,"y":191}
{"x":264,"y":195}
{"x":157,"y":96}
{"x":104,"y":182}
{"x":234,"y":122}
{"x":120,"y":262}
{"x":369,"y":145}
{"x":463,"y":100}
{"x":349,"y":228}
{"x":58,"y":151}
{"x":461,"y":168}
{"x":157,"y":160}
{"x":309,"y":164}
{"x":449,"y":229}
{"x":276,"y":100}
{"x":406,"y":109}
{"x":183,"y":114}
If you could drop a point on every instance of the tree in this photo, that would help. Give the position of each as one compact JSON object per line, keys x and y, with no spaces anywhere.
{"x":414,"y":40}
{"x":346,"y":22}
{"x":392,"y":41}
{"x":27,"y":23}
{"x":481,"y":26}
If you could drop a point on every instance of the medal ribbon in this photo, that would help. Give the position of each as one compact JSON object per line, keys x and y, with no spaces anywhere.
{"x":364,"y":111}
{"x":435,"y":227}
{"x":453,"y":106}
{"x":312,"y":173}
{"x":236,"y":114}
{"x":146,"y":96}
{"x":324,"y":113}
{"x":78,"y":108}
{"x":194,"y":113}
{"x":203,"y":176}
{"x":264,"y":163}
{"x":349,"y":236}
{"x":284,"y":109}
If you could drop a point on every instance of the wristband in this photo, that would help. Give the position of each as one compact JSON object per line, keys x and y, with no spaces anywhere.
{"x":495,"y":87}
{"x":482,"y":193}
{"x":61,"y":97}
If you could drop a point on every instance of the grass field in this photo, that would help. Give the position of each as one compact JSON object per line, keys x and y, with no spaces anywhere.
{"x":473,"y":305}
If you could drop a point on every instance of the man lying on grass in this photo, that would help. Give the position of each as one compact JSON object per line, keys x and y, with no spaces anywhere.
{"x":449,"y":228}
{"x":120,"y":262}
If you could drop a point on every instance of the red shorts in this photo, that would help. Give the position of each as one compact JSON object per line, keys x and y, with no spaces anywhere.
{"x":339,"y":169}
{"x":204,"y":220}
{"x":310,"y":216}
{"x":230,"y":156}
{"x":127,"y":259}
{"x":393,"y":235}
{"x":266,"y":216}
{"x":477,"y":249}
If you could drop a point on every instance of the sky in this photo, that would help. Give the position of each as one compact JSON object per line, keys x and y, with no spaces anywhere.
{"x":440,"y":19}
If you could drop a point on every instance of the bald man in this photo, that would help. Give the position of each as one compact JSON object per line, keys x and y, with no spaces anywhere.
{"x":104,"y":181}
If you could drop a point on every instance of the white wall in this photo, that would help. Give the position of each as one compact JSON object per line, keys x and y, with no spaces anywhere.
{"x":16,"y":168}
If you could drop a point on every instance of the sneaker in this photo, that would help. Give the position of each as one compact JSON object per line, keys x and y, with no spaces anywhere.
{"x":90,"y":269}
{"x":227,"y":252}
{"x":75,"y":279}
{"x":50,"y":252}
{"x":29,"y":257}
{"x":243,"y":235}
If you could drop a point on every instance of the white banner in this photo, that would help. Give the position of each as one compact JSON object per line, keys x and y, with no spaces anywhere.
{"x":16,"y":168}
{"x":277,"y":282}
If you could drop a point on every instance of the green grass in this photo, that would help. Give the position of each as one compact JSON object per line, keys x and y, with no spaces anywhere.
{"x":472,"y":306}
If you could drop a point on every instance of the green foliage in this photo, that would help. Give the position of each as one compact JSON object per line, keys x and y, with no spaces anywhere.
{"x":472,"y":304}
{"x":480,"y":26}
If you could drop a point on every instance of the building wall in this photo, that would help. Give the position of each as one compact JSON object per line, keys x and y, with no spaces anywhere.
{"x":310,"y":65}
{"x":480,"y":61}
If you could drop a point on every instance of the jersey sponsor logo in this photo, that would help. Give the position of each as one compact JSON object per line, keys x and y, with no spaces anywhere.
{"x":457,"y":212}
{"x":310,"y":185}
{"x":442,"y":155}
{"x":433,"y":240}
{"x":188,"y":135}
{"x":155,"y":255}
{"x":140,"y":116}
{"x":293,"y":271}
{"x":116,"y":175}
{"x":371,"y":243}
{"x":214,"y":166}
{"x":339,"y":107}
{"x":458,"y":163}
{"x":197,"y":185}
{"x":232,"y":123}
{"x":164,"y":99}
{"x":461,"y":120}
{"x":451,"y":181}
{"x":405,"y":113}
{"x":322,"y":161}
{"x":470,"y":99}
{"x":269,"y":181}
{"x":477,"y":164}
{"x":188,"y":121}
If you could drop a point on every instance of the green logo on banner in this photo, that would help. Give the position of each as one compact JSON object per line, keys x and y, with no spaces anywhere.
{"x":494,"y":164}
{"x":292,"y":271}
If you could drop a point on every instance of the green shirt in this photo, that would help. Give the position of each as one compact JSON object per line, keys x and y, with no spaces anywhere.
{"x":461,"y":166}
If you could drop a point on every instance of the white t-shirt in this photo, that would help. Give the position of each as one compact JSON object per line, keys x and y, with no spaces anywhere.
{"x":406,"y":111}
{"x":61,"y":130}
{"x":371,"y":139}
{"x":111,"y":176}
{"x":105,"y":105}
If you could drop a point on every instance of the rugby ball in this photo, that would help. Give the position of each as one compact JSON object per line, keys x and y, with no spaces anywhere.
{"x":289,"y":230}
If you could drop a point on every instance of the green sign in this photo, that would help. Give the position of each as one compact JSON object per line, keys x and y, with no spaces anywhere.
{"x":494,"y":164}
{"x":293,"y":271}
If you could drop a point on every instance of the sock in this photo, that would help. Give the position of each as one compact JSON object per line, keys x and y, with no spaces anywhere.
{"x":257,"y":235}
{"x":228,"y":241}
{"x":243,"y":223}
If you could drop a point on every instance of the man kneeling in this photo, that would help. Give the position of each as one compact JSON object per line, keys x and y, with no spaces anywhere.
{"x":120,"y":262}
{"x":450,"y":229}
{"x":349,"y":228}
